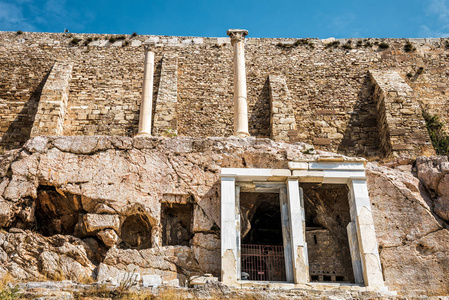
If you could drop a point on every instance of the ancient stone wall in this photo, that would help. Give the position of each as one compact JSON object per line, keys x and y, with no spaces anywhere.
{"x":330,"y":89}
{"x":402,"y":128}
{"x":50,"y":115}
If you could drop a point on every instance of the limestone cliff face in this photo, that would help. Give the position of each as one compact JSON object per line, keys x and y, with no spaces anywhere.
{"x":92,"y":188}
{"x":411,"y":225}
{"x":98,"y":206}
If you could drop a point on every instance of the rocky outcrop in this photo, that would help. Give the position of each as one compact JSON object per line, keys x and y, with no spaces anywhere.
{"x":78,"y":207}
{"x":413,"y":240}
{"x":27,"y":255}
{"x":434,"y":174}
{"x":107,"y":192}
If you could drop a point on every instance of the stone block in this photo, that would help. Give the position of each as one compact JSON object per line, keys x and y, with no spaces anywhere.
{"x":173,"y":283}
{"x":398,"y":131}
{"x":298,"y":165}
{"x":321,"y":141}
{"x":151,"y":280}
{"x":402,"y":147}
{"x":325,"y":112}
{"x":94,"y":222}
{"x":309,"y":176}
{"x":136,"y":43}
{"x":109,"y":237}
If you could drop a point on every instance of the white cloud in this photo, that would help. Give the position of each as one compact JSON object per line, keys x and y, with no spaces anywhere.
{"x":51,"y":15}
{"x":425,"y":31}
{"x":11,"y":18}
{"x":439,"y":8}
{"x":439,"y":26}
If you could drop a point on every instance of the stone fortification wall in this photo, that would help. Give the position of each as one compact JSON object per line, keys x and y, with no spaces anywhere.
{"x":331,"y":93}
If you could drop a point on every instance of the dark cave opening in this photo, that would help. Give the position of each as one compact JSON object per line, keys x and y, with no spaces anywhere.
{"x":327,"y":216}
{"x":262,"y":211}
{"x":136,"y":232}
{"x":177,"y":223}
{"x":262,"y":251}
{"x":56,"y":212}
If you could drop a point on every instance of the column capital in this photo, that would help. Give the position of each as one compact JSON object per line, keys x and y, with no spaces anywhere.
{"x":237,"y":35}
{"x":148,"y":46}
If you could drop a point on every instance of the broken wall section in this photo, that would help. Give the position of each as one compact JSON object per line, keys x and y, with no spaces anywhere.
{"x":402,"y":128}
{"x":165,"y":112}
{"x":52,"y":106}
{"x":282,"y":118}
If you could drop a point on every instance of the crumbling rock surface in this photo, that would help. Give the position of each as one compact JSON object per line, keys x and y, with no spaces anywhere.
{"x":434,"y":173}
{"x":413,"y":240}
{"x":104,"y":180}
{"x":107,"y":191}
{"x":28,"y":255}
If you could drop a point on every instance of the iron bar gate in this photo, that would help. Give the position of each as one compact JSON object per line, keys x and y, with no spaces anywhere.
{"x":263,"y":262}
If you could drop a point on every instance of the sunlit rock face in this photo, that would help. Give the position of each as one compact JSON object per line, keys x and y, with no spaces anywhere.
{"x":77,"y":207}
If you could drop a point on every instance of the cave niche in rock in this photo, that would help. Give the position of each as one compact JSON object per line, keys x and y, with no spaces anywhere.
{"x":136,"y":232}
{"x":262,"y":217}
{"x":327,"y":216}
{"x":177,"y":223}
{"x":56,"y":212}
{"x":262,"y":251}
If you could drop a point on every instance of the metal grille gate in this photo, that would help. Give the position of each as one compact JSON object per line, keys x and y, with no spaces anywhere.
{"x":263,"y":262}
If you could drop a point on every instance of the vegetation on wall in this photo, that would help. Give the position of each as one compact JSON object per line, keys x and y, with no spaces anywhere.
{"x":347,"y":46}
{"x":334,"y":44}
{"x":408,"y":47}
{"x":440,"y":139}
{"x":75,"y":41}
{"x":384,"y":45}
{"x":305,"y":42}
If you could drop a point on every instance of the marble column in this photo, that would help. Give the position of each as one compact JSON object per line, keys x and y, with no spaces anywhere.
{"x":146,"y":106}
{"x":229,"y":229}
{"x":240,"y":103}
{"x":360,"y":210}
{"x":299,"y":258}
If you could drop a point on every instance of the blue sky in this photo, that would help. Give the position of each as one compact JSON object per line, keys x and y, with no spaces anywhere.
{"x":262,"y":18}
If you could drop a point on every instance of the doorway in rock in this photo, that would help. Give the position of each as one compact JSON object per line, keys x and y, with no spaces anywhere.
{"x":262,"y":250}
{"x":327,"y":216}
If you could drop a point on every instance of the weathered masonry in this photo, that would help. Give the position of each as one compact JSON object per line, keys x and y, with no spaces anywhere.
{"x":364,"y":101}
{"x":189,"y":160}
{"x":287,"y":183}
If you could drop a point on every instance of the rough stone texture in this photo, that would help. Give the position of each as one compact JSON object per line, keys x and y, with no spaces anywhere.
{"x":207,"y":290}
{"x":50,"y":115}
{"x":282,"y":121}
{"x":330,"y":88}
{"x":115,"y":178}
{"x":434,"y":173}
{"x":125,"y":177}
{"x":109,"y":237}
{"x":165,"y":115}
{"x":402,"y":128}
{"x":28,"y":255}
{"x":413,"y":241}
{"x":94,"y":222}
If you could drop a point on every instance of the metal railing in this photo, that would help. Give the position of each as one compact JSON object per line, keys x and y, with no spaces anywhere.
{"x":263,"y":262}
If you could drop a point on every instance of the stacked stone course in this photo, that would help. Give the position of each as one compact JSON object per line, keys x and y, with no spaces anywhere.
{"x":331,"y":92}
{"x":165,"y":120}
{"x":283,"y":124}
{"x":402,"y":127}
{"x":52,"y":107}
